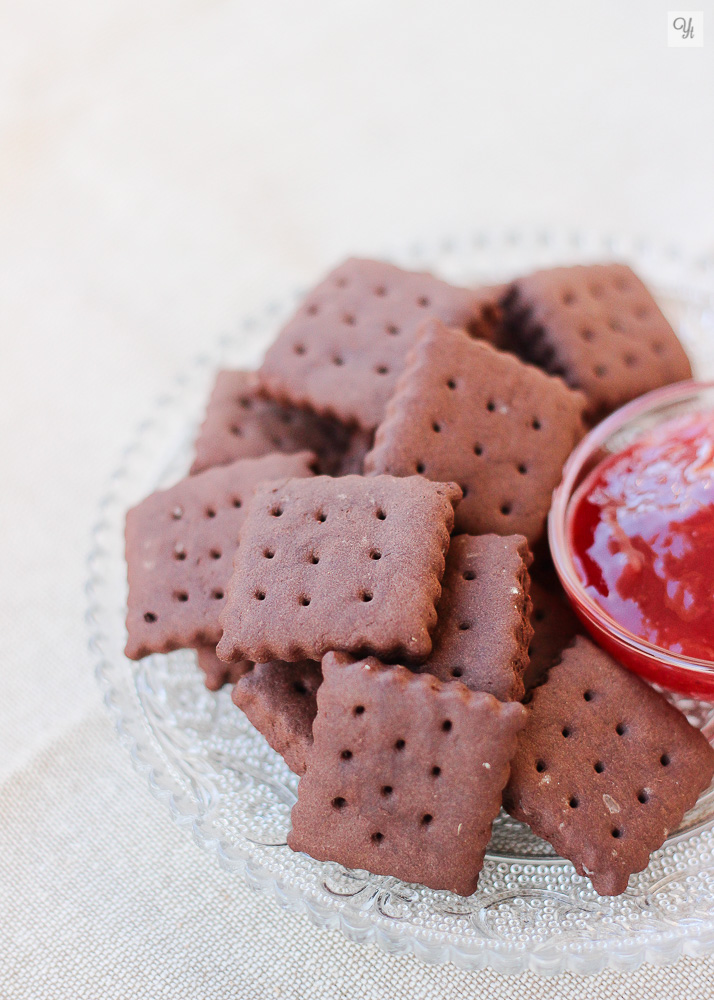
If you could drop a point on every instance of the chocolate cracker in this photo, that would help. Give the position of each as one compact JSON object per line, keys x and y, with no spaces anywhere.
{"x":405,"y":774}
{"x":483,"y":631}
{"x":352,"y":563}
{"x":599,"y":328}
{"x":216,"y":672}
{"x":605,"y":768}
{"x":240,"y":424}
{"x":501,"y":429}
{"x":343,"y":351}
{"x":555,"y":625}
{"x":280,"y":700}
{"x":179,"y":551}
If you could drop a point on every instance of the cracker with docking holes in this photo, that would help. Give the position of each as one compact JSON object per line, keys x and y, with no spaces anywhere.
{"x":605,"y":767}
{"x":501,"y":429}
{"x":485,"y":585}
{"x":353,"y":563}
{"x":599,"y":328}
{"x":405,"y":774}
{"x":240,"y":424}
{"x":483,"y":631}
{"x":179,"y":551}
{"x":344,"y":349}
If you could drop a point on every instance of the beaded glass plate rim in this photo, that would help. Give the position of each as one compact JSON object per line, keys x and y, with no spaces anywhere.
{"x":488,"y":256}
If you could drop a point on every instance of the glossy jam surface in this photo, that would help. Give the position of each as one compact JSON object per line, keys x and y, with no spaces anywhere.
{"x":641,"y":529}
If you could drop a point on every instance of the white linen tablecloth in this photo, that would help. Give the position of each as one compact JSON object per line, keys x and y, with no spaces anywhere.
{"x":166,"y":167}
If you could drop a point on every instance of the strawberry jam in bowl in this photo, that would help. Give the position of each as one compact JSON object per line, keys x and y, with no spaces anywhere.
{"x":631,"y":531}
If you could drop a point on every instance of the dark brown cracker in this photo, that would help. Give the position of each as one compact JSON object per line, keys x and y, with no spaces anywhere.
{"x":217,"y":673}
{"x":598,"y":327}
{"x":405,"y":774}
{"x":483,"y":631}
{"x":499,"y":428}
{"x":555,"y":625}
{"x":240,"y":424}
{"x":179,"y":551}
{"x":352,"y":563}
{"x":280,"y":700}
{"x":342,"y":352}
{"x":605,"y":768}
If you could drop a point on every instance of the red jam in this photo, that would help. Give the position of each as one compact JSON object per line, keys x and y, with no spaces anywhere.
{"x":641,"y":530}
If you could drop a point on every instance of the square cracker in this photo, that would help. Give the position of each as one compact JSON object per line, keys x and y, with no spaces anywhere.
{"x":605,"y":767}
{"x":344,"y":349}
{"x":240,"y":424}
{"x":179,"y":552}
{"x":485,"y":585}
{"x":483,"y":631}
{"x":599,"y":328}
{"x":280,"y":699}
{"x":405,"y":774}
{"x":501,"y":429}
{"x":352,"y":563}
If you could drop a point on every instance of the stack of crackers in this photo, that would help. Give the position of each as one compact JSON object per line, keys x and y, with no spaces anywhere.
{"x":359,"y":549}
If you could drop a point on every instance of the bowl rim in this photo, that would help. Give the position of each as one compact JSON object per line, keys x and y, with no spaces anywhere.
{"x":561,"y":552}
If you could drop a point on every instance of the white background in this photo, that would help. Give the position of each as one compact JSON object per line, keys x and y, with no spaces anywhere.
{"x":167,"y":165}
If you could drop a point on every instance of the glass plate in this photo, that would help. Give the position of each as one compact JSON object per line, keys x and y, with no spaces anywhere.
{"x":222,"y":782}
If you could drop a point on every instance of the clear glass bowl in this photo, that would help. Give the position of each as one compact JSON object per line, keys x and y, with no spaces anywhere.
{"x":684,"y":674}
{"x":222,"y":782}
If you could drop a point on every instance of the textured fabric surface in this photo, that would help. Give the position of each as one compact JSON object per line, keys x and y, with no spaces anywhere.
{"x":168,"y":167}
